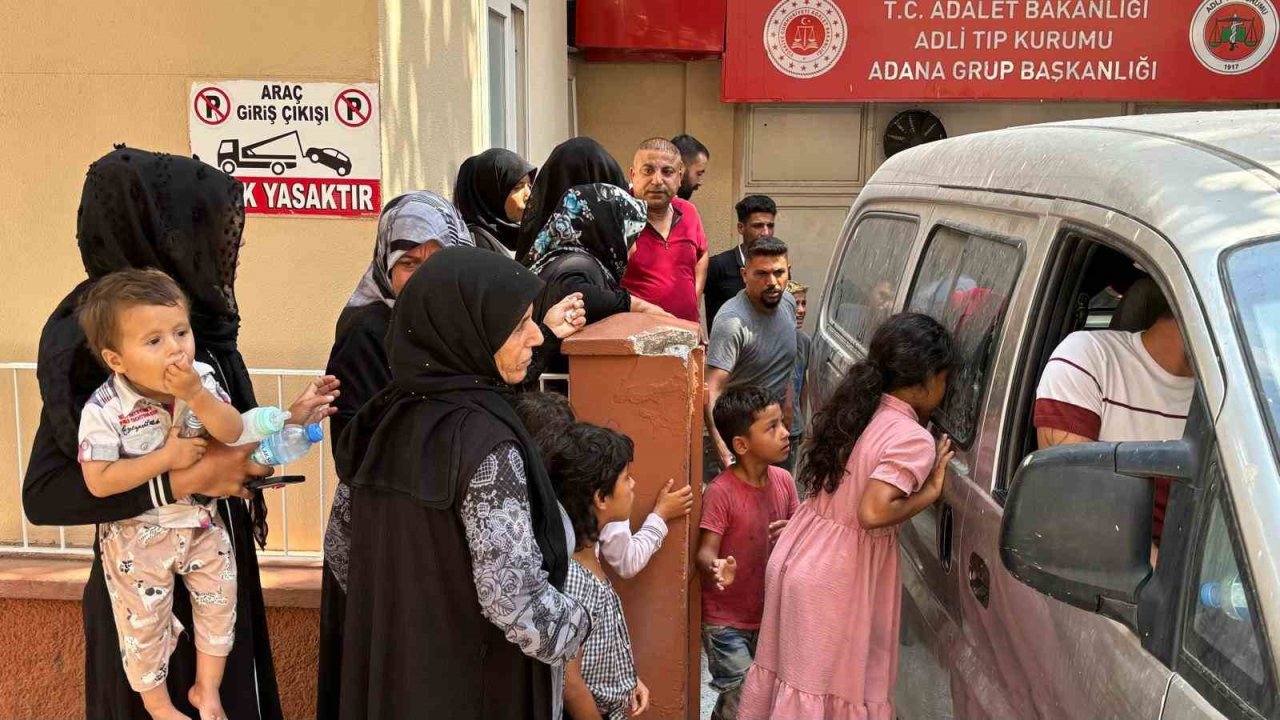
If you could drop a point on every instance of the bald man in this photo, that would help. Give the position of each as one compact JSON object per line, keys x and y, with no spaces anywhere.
{"x":668,"y":265}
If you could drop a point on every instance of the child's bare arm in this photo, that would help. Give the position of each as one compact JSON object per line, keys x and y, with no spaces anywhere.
{"x":222,"y":420}
{"x":884,"y":505}
{"x":709,"y":563}
{"x":218,"y":417}
{"x":578,"y":700}
{"x":105,"y":479}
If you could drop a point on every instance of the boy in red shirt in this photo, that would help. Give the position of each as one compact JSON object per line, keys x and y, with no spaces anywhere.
{"x":744,"y":510}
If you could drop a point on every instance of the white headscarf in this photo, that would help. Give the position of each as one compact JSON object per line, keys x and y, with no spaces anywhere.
{"x":406,"y":222}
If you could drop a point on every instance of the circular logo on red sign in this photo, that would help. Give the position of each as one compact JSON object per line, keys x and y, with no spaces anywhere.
{"x":1231,"y":37}
{"x":805,"y":38}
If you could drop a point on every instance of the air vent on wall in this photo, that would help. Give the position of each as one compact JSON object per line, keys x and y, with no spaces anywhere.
{"x":910,"y":128}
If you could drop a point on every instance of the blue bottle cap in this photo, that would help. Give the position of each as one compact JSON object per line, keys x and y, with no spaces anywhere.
{"x":1207,"y":591}
{"x":315,"y":433}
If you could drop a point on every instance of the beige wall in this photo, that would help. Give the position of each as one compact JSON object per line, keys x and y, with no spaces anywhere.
{"x":621,"y":104}
{"x":549,"y":122}
{"x":434,"y":97}
{"x":79,"y":76}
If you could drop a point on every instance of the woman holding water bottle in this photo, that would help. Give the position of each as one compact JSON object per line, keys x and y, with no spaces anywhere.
{"x":142,"y":209}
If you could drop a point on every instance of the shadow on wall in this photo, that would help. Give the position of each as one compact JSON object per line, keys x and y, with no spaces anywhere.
{"x":432,"y":93}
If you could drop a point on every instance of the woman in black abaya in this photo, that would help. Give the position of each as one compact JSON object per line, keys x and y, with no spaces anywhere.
{"x":411,"y":229}
{"x":584,"y":249}
{"x":458,"y":547}
{"x":577,"y":161}
{"x":491,"y":192}
{"x":150,"y":210}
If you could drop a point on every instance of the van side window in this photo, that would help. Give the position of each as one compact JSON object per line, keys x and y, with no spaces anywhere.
{"x":866,"y":286}
{"x":964,"y":281}
{"x":1221,"y":638}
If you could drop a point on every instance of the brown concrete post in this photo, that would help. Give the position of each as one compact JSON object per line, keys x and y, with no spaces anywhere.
{"x":643,"y":376}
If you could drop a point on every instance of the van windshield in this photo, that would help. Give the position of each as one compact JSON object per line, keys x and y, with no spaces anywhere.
{"x":1251,"y":273}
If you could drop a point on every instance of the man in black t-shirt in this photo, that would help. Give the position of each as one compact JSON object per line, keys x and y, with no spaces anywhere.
{"x":756,"y":215}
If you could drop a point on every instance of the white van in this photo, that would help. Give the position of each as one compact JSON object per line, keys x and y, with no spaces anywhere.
{"x":1029,"y":588}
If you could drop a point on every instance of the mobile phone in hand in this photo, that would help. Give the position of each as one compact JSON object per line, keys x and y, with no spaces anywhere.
{"x":274,"y":481}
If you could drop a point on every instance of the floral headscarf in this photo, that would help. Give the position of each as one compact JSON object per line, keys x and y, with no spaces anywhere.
{"x":600,"y":220}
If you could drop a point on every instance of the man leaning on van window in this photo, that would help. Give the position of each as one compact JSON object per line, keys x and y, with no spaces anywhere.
{"x":1119,"y":386}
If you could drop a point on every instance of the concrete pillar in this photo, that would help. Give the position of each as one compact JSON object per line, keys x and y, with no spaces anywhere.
{"x":643,"y":376}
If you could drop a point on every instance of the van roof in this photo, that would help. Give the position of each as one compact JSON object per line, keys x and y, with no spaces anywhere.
{"x":1205,"y":180}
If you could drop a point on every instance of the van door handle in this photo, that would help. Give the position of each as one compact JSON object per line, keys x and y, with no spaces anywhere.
{"x":946,"y":522}
{"x":979,"y":579}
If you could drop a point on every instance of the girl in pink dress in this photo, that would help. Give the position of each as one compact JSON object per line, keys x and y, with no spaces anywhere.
{"x":828,"y":643}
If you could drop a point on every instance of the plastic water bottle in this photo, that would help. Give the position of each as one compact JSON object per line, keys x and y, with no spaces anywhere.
{"x":1227,"y":596}
{"x":189,"y":426}
{"x":261,"y":423}
{"x":288,"y":445}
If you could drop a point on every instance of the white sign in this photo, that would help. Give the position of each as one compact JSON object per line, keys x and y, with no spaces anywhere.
{"x":299,"y":148}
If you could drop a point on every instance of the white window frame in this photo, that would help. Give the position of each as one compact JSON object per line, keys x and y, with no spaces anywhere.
{"x":516,"y":68}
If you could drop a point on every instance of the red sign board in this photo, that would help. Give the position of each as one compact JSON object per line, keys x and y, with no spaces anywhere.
{"x":310,"y":196}
{"x":649,"y":29}
{"x":922,"y":50}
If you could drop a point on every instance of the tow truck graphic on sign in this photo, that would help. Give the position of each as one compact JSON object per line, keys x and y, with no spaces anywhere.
{"x":276,"y":154}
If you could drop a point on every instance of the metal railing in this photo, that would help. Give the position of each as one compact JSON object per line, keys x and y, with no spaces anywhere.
{"x":297,"y":513}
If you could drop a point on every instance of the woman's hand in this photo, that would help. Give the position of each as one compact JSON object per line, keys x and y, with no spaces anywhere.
{"x":567,"y":316}
{"x":639,"y":699}
{"x":221,"y":472}
{"x":313,"y":405}
{"x":648,"y":308}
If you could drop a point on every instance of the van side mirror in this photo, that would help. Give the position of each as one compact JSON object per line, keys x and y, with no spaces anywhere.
{"x":1077,"y":525}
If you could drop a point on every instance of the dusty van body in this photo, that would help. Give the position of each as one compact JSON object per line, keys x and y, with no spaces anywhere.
{"x":1028,"y":589}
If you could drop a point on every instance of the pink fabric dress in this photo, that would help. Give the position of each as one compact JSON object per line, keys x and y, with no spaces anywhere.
{"x":829,"y":640}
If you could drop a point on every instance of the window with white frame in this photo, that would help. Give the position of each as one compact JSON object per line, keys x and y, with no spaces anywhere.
{"x":507,"y":31}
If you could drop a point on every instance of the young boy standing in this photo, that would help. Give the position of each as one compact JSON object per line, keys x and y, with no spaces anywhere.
{"x":744,"y":511}
{"x":137,"y":323}
{"x":589,"y":465}
{"x":545,"y":414}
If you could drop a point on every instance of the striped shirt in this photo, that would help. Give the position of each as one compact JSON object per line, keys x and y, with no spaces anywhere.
{"x":1104,"y":385}
{"x":119,"y":422}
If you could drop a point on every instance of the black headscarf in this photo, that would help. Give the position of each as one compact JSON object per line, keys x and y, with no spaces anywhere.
{"x":598,"y":220}
{"x":447,"y":406}
{"x":577,"y":161}
{"x":142,"y":209}
{"x":484,"y":182}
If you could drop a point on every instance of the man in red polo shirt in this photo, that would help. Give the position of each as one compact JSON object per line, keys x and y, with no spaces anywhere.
{"x":668,"y":265}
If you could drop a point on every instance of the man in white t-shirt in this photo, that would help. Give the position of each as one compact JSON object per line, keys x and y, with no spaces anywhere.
{"x":1115,"y":386}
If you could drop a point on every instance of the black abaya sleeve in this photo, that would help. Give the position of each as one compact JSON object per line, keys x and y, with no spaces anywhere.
{"x":359,"y":360}
{"x":54,"y":492}
{"x":601,"y":299}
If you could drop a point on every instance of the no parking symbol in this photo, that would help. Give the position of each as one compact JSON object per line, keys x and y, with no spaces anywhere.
{"x":352,"y":107}
{"x":212,"y":106}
